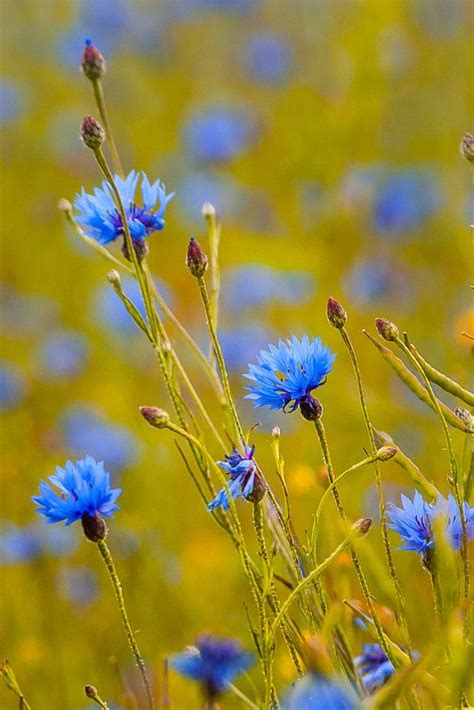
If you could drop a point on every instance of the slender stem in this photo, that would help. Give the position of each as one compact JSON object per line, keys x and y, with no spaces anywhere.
{"x":220,"y":360}
{"x":100,"y":101}
{"x":455,"y":482}
{"x":114,"y":578}
{"x":8,"y":677}
{"x":380,"y":492}
{"x":214,"y":239}
{"x":319,"y":426}
{"x":242,"y":697}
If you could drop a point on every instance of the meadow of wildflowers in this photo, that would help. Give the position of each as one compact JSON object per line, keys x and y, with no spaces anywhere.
{"x":237,"y":429}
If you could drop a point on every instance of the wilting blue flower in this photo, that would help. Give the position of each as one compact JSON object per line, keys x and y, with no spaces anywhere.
{"x":414,"y":521}
{"x":219,"y":133}
{"x":244,"y":479}
{"x":214,"y":662}
{"x":285,"y":376}
{"x":269,"y":57}
{"x":63,"y":353}
{"x":12,"y":387}
{"x":83,"y":489}
{"x":101,"y":220}
{"x":373,"y":667}
{"x":317,"y":692}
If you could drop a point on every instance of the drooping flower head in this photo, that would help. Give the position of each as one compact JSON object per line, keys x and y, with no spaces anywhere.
{"x":244,"y":479}
{"x":414,"y":521}
{"x":373,"y":667}
{"x":100,"y":217}
{"x":318,"y":692}
{"x":214,"y":662}
{"x":285,"y":375}
{"x":82,"y":492}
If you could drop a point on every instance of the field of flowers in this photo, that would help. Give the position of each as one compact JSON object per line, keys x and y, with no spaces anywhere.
{"x":236,"y":342}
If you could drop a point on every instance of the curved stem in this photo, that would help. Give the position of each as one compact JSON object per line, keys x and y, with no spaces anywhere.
{"x":114,"y":578}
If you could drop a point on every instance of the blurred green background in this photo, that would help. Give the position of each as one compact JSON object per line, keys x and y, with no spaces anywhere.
{"x":326,"y":134}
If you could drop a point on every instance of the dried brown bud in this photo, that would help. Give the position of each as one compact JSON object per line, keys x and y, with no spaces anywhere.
{"x":387,"y":329}
{"x":337,"y":315}
{"x":196,"y":259}
{"x":362,"y":526}
{"x":92,"y":133}
{"x":90,"y":691}
{"x":386,"y":453}
{"x":467,"y":147}
{"x":155,"y":416}
{"x":92,"y":62}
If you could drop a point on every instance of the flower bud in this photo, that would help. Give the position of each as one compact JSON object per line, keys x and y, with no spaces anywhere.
{"x":92,"y":133}
{"x":92,"y":62}
{"x":196,"y":260}
{"x":140,"y":247}
{"x":94,"y":527}
{"x":465,"y":417}
{"x":64,"y":205}
{"x":208,"y":210}
{"x":276,"y":433}
{"x":113,"y":277}
{"x":386,"y":329}
{"x":467,"y":147}
{"x":362,"y":526}
{"x":385,"y":453}
{"x":337,"y":315}
{"x":90,"y":692}
{"x":311,"y":408}
{"x":155,"y":416}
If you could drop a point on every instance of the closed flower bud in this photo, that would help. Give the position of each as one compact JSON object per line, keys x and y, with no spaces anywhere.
{"x":386,"y":453}
{"x":94,"y":527}
{"x":337,"y":315}
{"x":64,"y":205}
{"x":90,"y":691}
{"x":155,"y":416}
{"x":276,"y":432}
{"x":311,"y":408}
{"x":196,"y":260}
{"x":386,"y":329}
{"x":113,"y":277}
{"x":92,"y":62}
{"x":467,"y":147}
{"x":208,"y":210}
{"x":92,"y":133}
{"x":465,"y":416}
{"x":362,"y":526}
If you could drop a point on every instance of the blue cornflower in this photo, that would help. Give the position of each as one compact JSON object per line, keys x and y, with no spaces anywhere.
{"x":101,"y":220}
{"x":317,"y":692}
{"x":414,"y":521}
{"x":244,"y":479}
{"x":215,"y":662}
{"x":84,"y":493}
{"x":285,"y":376}
{"x":373,"y":667}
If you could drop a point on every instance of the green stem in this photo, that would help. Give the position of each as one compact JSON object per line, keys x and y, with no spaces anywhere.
{"x":114,"y":578}
{"x":380,"y":492}
{"x":8,"y":677}
{"x":319,"y":426}
{"x":100,"y":101}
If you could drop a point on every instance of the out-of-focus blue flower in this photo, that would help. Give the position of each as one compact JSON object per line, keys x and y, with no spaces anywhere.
{"x":285,"y":376}
{"x":63,"y":353}
{"x":244,"y":478}
{"x":414,"y":521}
{"x":214,"y":662}
{"x":371,"y":280}
{"x":87,"y":432}
{"x":12,"y":100}
{"x":223,"y":191}
{"x":110,"y":313}
{"x":252,"y":285}
{"x":316,"y":692}
{"x":12,"y":387}
{"x":439,"y":19}
{"x":239,"y":344}
{"x":81,"y":489}
{"x":18,"y":544}
{"x":404,"y":201}
{"x":373,"y":667}
{"x":55,"y":540}
{"x":78,"y":585}
{"x":101,"y":220}
{"x":25,"y":314}
{"x":219,"y":133}
{"x":269,"y":57}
